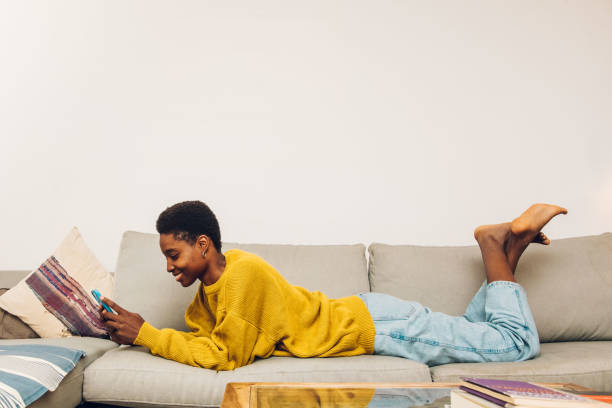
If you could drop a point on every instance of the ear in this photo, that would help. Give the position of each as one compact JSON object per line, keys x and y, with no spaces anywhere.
{"x":202,"y":242}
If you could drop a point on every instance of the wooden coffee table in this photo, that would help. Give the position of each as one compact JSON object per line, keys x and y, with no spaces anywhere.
{"x":353,"y":395}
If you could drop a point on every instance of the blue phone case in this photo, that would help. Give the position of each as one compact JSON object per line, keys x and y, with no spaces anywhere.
{"x":96,"y":294}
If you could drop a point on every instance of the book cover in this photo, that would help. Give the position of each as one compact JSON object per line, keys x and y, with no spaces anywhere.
{"x":524,"y":393}
{"x":461,"y":399}
{"x":482,"y":395}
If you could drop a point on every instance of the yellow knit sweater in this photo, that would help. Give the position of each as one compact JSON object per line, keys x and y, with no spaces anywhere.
{"x":253,"y":312}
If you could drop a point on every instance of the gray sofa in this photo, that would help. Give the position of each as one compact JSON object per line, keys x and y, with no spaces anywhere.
{"x":569,"y":286}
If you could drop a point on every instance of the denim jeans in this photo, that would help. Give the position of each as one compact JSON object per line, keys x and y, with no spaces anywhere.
{"x":497,"y":326}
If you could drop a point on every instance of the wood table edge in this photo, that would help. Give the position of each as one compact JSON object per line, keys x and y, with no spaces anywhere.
{"x":237,"y":394}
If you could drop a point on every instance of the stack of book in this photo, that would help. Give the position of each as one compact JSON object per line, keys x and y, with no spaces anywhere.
{"x":488,"y":393}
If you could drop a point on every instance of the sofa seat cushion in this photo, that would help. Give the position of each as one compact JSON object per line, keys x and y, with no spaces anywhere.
{"x":586,"y":363}
{"x":70,"y":390}
{"x":131,"y":376}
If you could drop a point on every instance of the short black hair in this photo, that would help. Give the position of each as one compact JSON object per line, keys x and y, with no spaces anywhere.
{"x":188,"y":220}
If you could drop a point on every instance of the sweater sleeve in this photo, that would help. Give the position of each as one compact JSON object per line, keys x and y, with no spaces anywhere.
{"x":230,"y":345}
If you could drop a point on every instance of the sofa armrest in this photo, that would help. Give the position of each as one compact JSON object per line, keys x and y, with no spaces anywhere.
{"x":12,"y":327}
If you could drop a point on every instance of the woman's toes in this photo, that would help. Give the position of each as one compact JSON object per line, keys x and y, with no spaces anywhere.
{"x":541,"y":238}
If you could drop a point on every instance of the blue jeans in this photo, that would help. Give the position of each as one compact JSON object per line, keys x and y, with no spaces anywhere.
{"x":497,"y":326}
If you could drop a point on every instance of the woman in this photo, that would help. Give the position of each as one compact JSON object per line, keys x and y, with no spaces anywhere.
{"x":245,"y":309}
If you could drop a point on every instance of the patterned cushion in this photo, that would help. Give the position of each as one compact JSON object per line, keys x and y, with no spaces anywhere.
{"x":54,"y":300}
{"x":27,"y":371}
{"x":66,"y":299}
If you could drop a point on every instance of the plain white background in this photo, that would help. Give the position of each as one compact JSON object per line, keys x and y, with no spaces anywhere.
{"x":310,"y":122}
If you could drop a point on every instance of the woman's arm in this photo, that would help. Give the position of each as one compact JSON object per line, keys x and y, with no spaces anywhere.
{"x":232,"y":343}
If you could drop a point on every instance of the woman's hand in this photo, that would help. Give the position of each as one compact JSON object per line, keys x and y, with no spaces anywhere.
{"x":123,"y":326}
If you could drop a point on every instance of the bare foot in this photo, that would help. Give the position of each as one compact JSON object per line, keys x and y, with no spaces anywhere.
{"x":529,"y":223}
{"x":501,"y":236}
{"x":526,"y":229}
{"x":502,"y":245}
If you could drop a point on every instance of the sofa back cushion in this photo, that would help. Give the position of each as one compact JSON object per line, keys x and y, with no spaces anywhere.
{"x":144,"y":286}
{"x":568,"y":283}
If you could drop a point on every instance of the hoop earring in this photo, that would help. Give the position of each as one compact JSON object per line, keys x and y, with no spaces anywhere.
{"x":204,"y":254}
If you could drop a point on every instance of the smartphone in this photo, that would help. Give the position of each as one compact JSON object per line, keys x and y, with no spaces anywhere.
{"x":96,"y":294}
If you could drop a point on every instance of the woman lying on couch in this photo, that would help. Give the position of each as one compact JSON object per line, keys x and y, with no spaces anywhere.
{"x":245,"y":309}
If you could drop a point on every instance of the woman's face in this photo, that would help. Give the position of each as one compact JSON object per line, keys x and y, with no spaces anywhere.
{"x":184,"y":260}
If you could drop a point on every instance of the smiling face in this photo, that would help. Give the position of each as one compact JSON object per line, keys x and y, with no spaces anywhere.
{"x":184,"y":260}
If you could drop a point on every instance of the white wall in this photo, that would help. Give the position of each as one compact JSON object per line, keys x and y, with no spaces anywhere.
{"x":301,"y":122}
